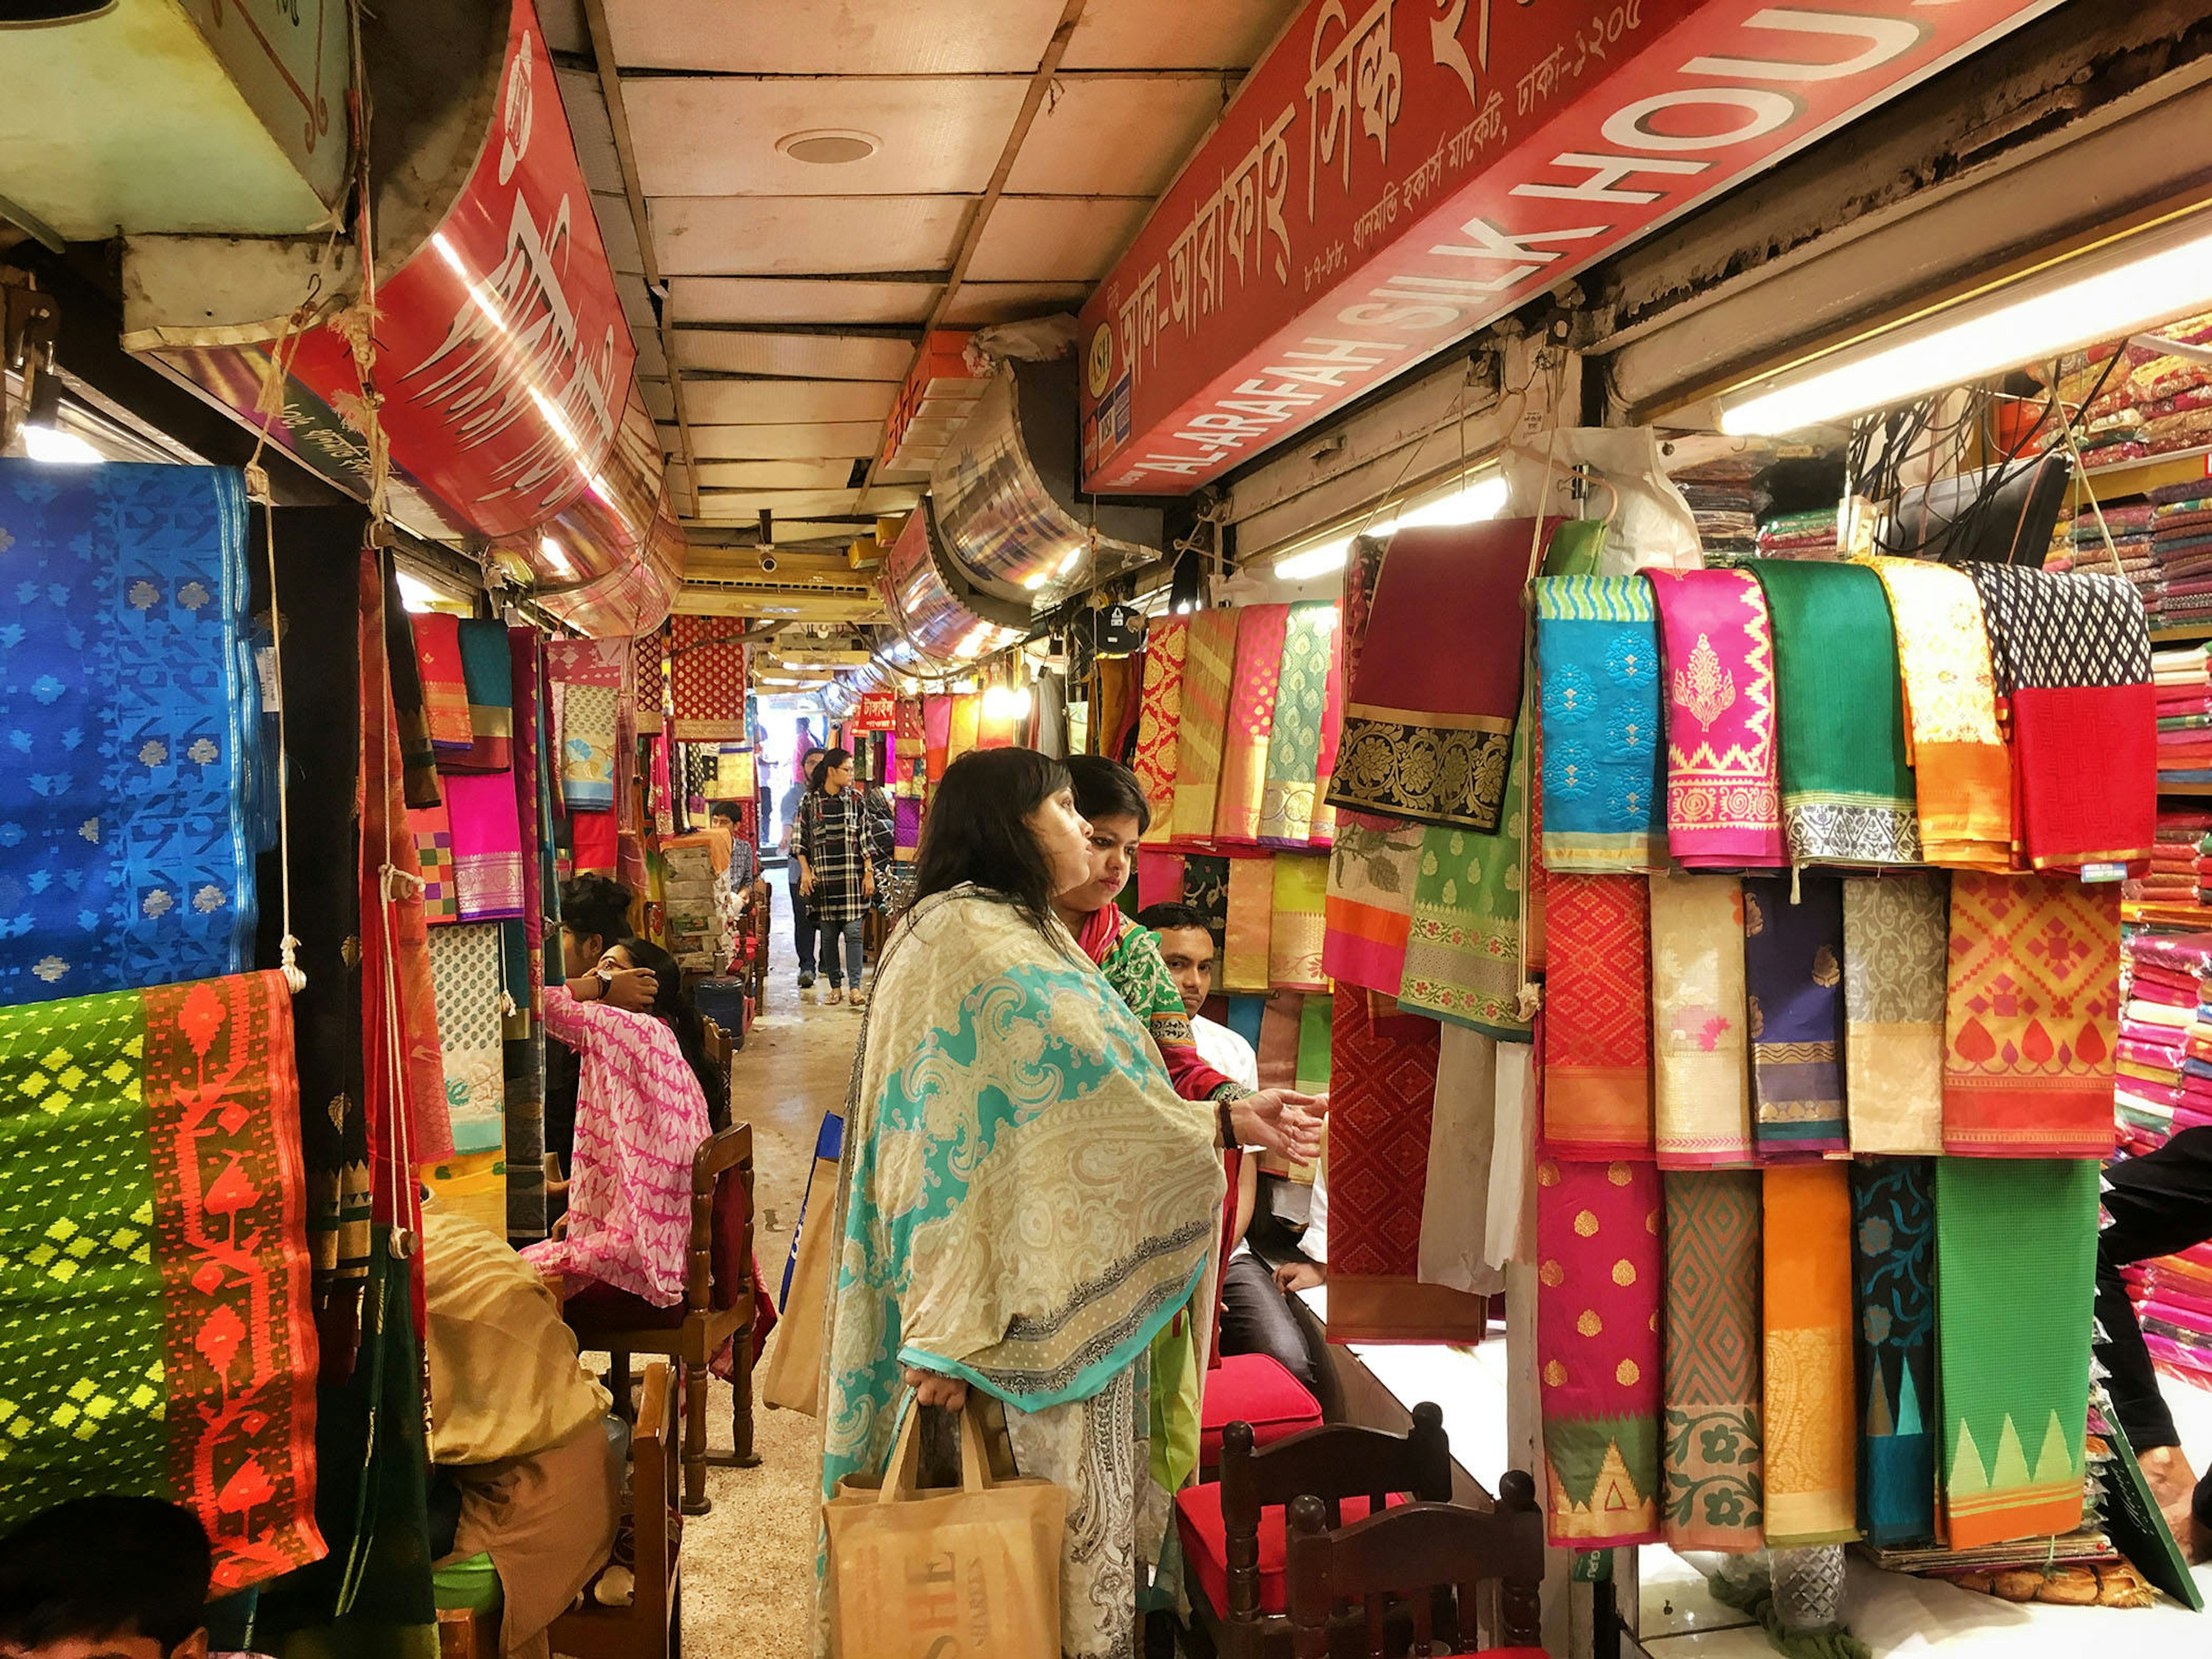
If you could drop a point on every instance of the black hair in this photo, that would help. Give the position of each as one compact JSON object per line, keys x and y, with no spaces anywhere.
{"x":722,"y":809}
{"x":595,"y":905}
{"x":1161,"y":917}
{"x":673,"y":1004}
{"x":831,"y":759}
{"x":974,"y":832}
{"x":1106,"y":789}
{"x":104,"y":1567}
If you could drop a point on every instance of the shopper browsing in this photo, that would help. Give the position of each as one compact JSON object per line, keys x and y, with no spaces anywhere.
{"x":803,"y":927}
{"x":836,"y":868}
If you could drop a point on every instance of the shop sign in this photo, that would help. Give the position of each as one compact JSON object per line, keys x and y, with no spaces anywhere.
{"x":878,"y":712}
{"x":292,"y":61}
{"x":1396,"y":173}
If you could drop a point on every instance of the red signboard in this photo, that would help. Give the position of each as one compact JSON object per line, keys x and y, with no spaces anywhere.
{"x":878,"y":712}
{"x":1398,"y":172}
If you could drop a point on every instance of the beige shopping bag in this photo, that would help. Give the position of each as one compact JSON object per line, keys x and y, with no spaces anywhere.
{"x":793,"y":1376}
{"x":940,"y":1572}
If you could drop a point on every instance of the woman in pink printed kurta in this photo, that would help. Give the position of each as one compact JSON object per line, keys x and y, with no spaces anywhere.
{"x":639,"y":1117}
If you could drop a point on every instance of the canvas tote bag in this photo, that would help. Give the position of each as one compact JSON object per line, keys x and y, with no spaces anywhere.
{"x":793,"y":1379}
{"x":971,"y":1573}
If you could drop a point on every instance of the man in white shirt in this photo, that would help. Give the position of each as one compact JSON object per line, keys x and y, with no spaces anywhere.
{"x":1254,"y":1318}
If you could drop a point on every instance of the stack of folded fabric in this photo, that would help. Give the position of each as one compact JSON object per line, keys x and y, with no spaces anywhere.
{"x":2129,"y":524}
{"x":1810,"y":535}
{"x":1720,"y":497}
{"x":2181,"y":543}
{"x":2168,"y":893}
{"x":2181,"y":678}
{"x":2061,"y":553}
{"x":2175,"y":1308}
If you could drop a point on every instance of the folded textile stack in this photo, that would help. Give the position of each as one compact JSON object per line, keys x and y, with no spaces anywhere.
{"x":2181,"y":681}
{"x":2131,"y":555}
{"x":2175,"y":1308}
{"x":2151,"y":402}
{"x":1808,"y":534}
{"x":2181,"y":544}
{"x":1719,"y":494}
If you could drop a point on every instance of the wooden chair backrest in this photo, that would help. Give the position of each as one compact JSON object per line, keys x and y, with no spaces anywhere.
{"x":1419,"y":1566}
{"x":656,"y":1488}
{"x":719,"y":1267}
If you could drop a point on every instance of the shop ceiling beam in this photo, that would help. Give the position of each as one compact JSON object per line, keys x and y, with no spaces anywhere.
{"x":602,"y":54}
{"x":1071,"y":14}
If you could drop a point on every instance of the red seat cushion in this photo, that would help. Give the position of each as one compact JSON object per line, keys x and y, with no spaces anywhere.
{"x":1206,"y":1544}
{"x":1252,"y":1388}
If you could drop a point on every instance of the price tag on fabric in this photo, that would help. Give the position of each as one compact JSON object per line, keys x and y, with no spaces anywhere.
{"x":2098,"y":872}
{"x":265,"y":667}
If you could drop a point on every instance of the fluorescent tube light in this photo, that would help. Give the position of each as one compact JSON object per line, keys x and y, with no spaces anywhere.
{"x":1984,"y":338}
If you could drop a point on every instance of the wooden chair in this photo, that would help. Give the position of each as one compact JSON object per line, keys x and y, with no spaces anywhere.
{"x":720,"y":1052}
{"x":717,"y":1307}
{"x":1410,"y":1576}
{"x":1336,"y":1465}
{"x":651,"y":1626}
{"x":762,"y":926}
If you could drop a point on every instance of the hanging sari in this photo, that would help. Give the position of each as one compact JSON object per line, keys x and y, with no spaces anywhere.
{"x":487,"y":673}
{"x":1208,"y":660}
{"x":445,"y":682}
{"x":1158,"y":722}
{"x":1024,"y":1203}
{"x":649,"y":672}
{"x":1893,"y":1232}
{"x":1811,"y":1476}
{"x":1600,"y":1289}
{"x":1846,"y":791}
{"x":1712,"y":1455}
{"x":1793,"y":972}
{"x":1250,"y":722}
{"x":2032,"y":1020}
{"x":707,"y":680}
{"x":1294,"y":744}
{"x":1597,"y":1030}
{"x":1369,"y":906}
{"x":1961,"y":770}
{"x":1896,"y":938}
{"x":1245,"y":956}
{"x":1701,"y":1072}
{"x":1298,"y":929}
{"x":1428,"y":725}
{"x":1724,"y":804}
{"x":1599,"y":689}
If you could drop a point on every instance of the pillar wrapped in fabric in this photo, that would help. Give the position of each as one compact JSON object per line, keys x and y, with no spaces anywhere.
{"x":1600,"y":1288}
{"x":157,"y":1332}
{"x":129,"y":796}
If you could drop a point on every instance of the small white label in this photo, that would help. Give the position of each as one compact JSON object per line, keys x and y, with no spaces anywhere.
{"x":2094,"y":872}
{"x":265,"y":666}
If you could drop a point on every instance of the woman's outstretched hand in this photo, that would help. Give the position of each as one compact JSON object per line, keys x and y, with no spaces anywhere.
{"x":1281,"y":1121}
{"x":931,"y":1389}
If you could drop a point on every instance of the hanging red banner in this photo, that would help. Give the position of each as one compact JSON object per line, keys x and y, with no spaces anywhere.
{"x":1397,"y":173}
{"x":878,"y":712}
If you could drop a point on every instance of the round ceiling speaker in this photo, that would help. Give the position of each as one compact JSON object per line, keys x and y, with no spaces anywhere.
{"x":828,"y":146}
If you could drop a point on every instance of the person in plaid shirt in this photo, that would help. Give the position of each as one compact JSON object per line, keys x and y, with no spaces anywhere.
{"x":836,"y":868}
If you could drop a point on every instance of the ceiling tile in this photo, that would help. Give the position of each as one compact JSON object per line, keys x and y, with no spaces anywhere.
{"x":803,"y":236}
{"x":794,"y":503}
{"x":652,"y":362}
{"x":660,"y":404}
{"x":825,"y":440}
{"x":772,"y":403}
{"x":1102,"y":136}
{"x":770,"y":300}
{"x":774,"y":475}
{"x":1174,"y":33}
{"x":563,"y":22}
{"x":980,"y":303}
{"x":1055,"y":239}
{"x":587,"y":108}
{"x":841,"y":37}
{"x":717,"y":137}
{"x":814,"y":356}
{"x":619,"y":233}
{"x":636,"y":304}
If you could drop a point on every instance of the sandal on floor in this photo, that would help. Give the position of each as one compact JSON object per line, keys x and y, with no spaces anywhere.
{"x":836,"y":995}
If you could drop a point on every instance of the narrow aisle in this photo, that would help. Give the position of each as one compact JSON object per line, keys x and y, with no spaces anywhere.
{"x":749,"y":1566}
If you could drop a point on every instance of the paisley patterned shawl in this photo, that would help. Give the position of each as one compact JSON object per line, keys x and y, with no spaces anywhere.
{"x":1023,"y":1200}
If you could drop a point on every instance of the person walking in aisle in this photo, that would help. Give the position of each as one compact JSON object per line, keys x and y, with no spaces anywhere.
{"x":836,"y":868}
{"x":803,"y":926}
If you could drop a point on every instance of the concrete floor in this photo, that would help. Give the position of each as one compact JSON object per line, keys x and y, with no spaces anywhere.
{"x":749,"y":1566}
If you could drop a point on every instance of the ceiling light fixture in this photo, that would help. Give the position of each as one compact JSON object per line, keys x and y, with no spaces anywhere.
{"x":1484,"y":499}
{"x":828,"y":146}
{"x":2131,"y":287}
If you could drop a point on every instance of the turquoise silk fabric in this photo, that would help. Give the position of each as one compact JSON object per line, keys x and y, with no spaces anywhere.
{"x":129,"y":729}
{"x":1600,"y":691}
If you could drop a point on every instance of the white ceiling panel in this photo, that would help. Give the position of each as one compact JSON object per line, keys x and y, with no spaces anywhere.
{"x":619,"y":232}
{"x":771,"y":299}
{"x":812,"y":356}
{"x":979,"y":303}
{"x":1055,"y":239}
{"x":1111,"y":137}
{"x":836,"y":37}
{"x":803,"y":236}
{"x":587,"y":108}
{"x":824,"y":441}
{"x":784,"y":503}
{"x":637,"y":306}
{"x":782,"y":403}
{"x":660,"y":404}
{"x":652,"y":362}
{"x":717,"y":137}
{"x":776,"y":475}
{"x":1173,"y":34}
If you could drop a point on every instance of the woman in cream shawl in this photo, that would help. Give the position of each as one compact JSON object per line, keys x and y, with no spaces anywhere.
{"x":1024,"y":1199}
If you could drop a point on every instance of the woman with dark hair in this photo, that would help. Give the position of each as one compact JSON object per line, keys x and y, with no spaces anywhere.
{"x":836,"y":867}
{"x":673,"y":1007}
{"x":1024,"y":1200}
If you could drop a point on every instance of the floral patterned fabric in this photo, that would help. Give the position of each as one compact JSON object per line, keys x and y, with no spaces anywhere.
{"x":1698,"y":1036}
{"x":1716,"y":1489}
{"x":1894,"y":1261}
